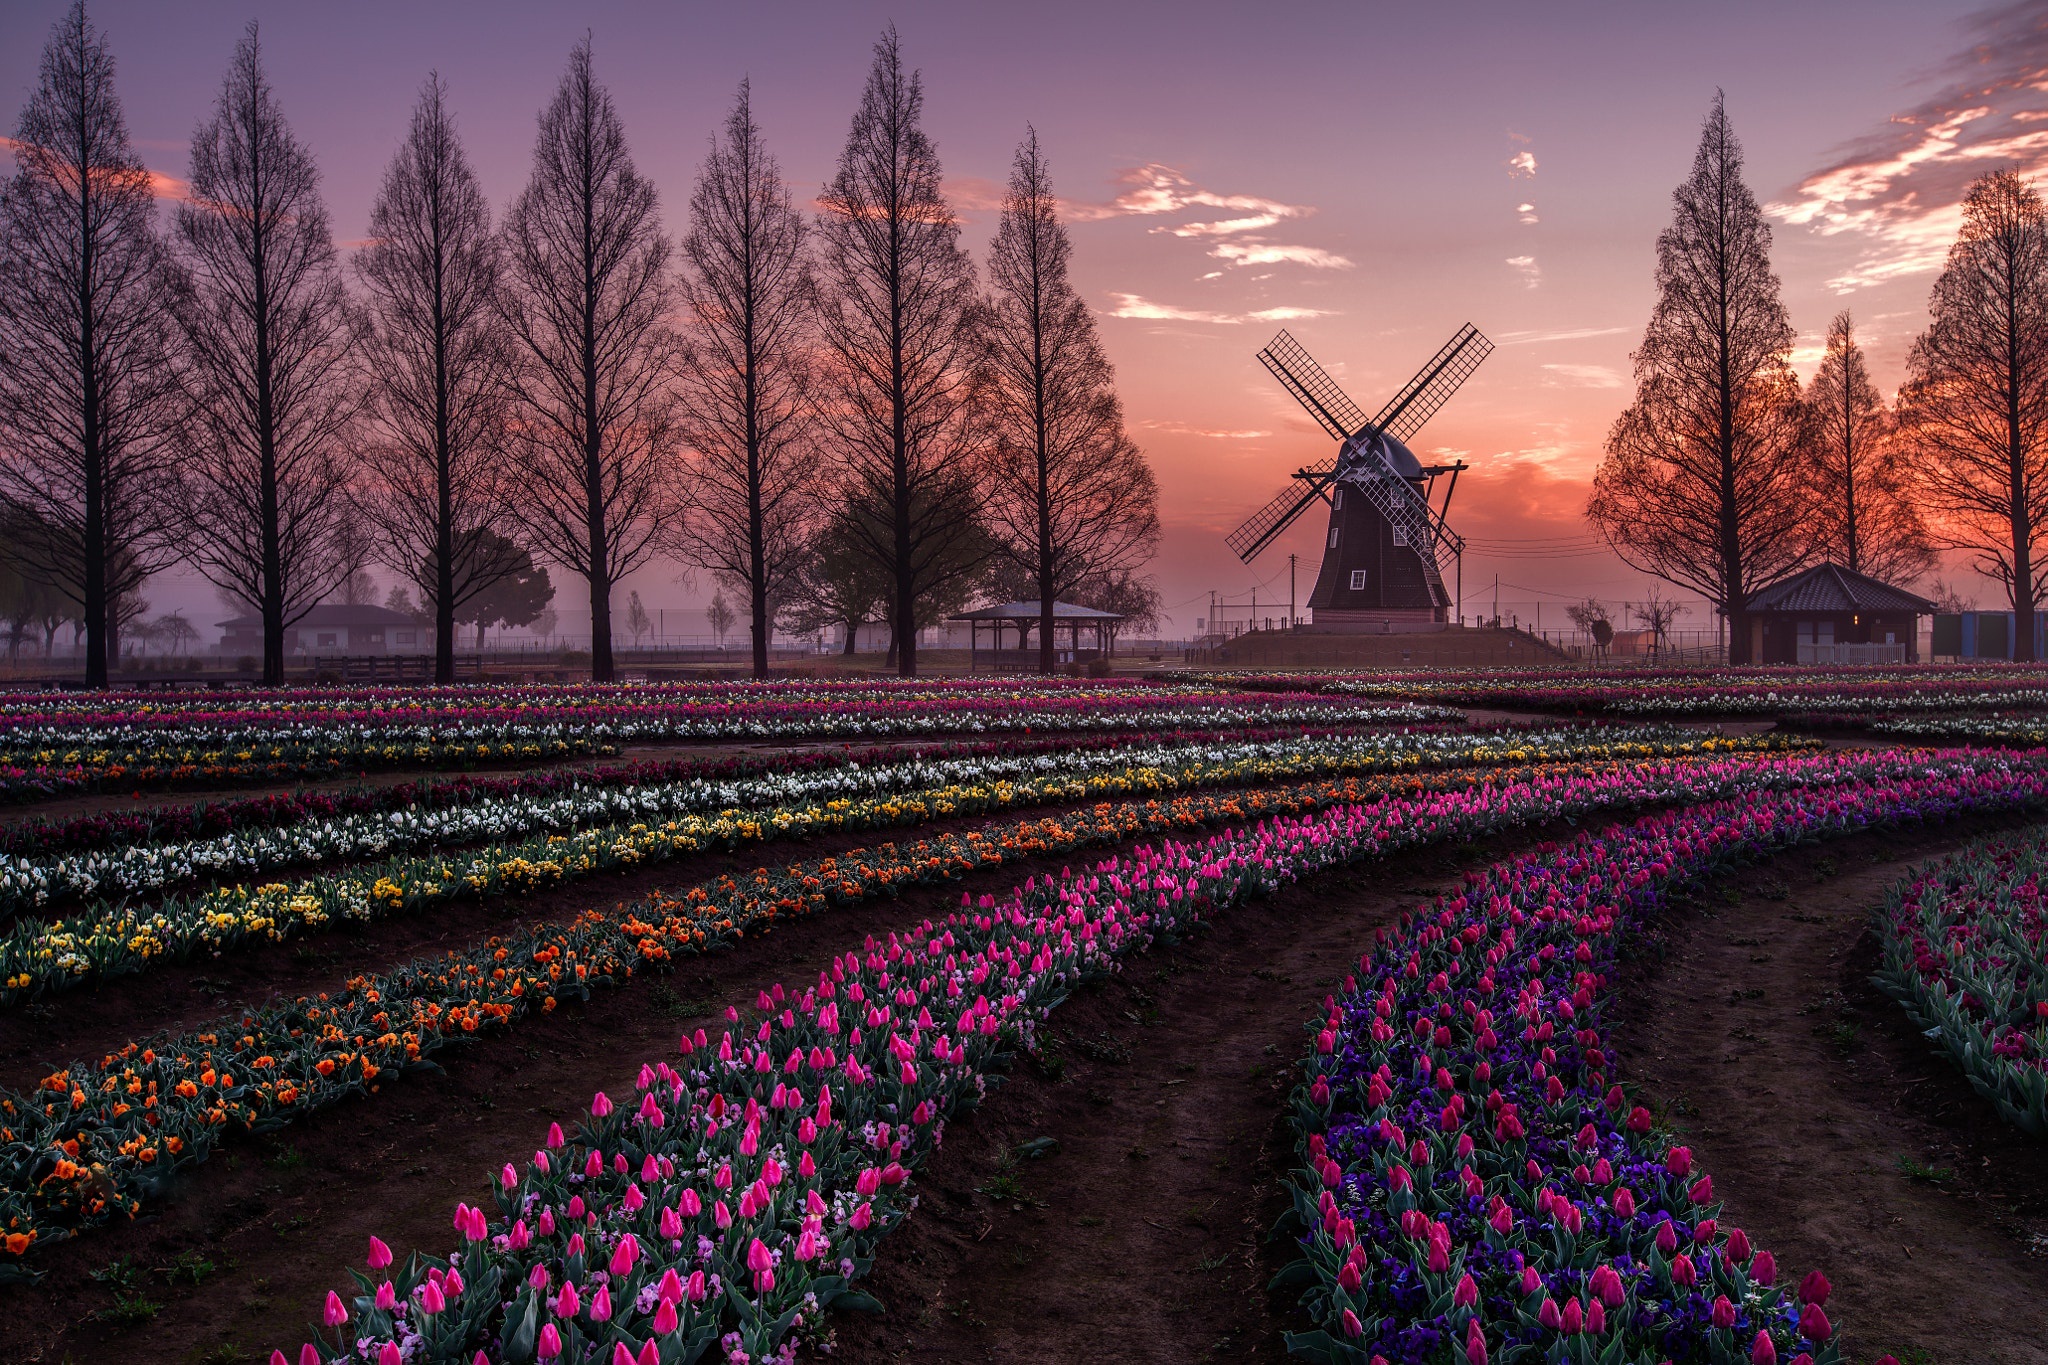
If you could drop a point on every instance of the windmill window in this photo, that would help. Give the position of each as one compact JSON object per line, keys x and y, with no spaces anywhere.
{"x":1400,"y":535}
{"x":1337,"y":501}
{"x":1357,"y":580}
{"x":1333,"y":537}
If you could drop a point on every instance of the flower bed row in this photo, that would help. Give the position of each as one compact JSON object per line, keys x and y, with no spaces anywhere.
{"x":740,"y":1194}
{"x":99,"y":1138}
{"x":1473,"y":1186}
{"x":130,"y":740}
{"x":113,"y":939}
{"x":1704,"y":692}
{"x":1965,"y":950}
{"x":1125,"y":768}
{"x":45,"y":774}
{"x":49,"y":837}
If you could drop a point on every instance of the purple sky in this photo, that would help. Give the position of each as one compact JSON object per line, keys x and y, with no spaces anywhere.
{"x":1369,"y":176}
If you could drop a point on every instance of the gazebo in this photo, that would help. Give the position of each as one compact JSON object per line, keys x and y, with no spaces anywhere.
{"x":1022,"y":617}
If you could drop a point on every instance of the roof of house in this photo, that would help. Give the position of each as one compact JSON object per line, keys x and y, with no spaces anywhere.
{"x":1829,"y":587}
{"x":1029,"y":611}
{"x":331,"y":615}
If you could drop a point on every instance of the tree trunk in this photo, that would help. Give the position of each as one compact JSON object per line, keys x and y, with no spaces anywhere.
{"x":852,"y":633}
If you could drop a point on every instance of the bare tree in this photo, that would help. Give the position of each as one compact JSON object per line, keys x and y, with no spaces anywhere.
{"x":1656,"y":614}
{"x":588,"y":299}
{"x":436,"y":350}
{"x":900,"y":326}
{"x":1863,"y":501}
{"x":1700,"y":484}
{"x":1071,"y":495}
{"x":745,"y":396}
{"x":269,"y":332}
{"x":90,"y":406}
{"x":1975,"y":404}
{"x":1591,"y":617}
{"x":719,"y":617}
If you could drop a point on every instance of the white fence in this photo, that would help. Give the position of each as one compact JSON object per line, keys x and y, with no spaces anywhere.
{"x":1845,"y":653}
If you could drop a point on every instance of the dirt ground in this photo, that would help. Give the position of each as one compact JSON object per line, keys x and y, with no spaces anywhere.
{"x":1143,"y":1238}
{"x":1836,"y":1134}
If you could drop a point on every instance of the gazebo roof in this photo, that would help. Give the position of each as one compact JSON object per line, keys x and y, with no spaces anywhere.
{"x":1829,"y":587}
{"x":1030,"y":611}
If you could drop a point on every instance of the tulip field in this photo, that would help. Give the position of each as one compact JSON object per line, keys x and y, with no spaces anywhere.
{"x":654,"y":1024}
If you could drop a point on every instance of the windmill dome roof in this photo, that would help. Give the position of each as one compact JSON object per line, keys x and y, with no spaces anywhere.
{"x":1402,"y":458}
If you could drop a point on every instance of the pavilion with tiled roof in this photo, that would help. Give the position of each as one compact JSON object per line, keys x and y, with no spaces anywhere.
{"x":1831,"y":614}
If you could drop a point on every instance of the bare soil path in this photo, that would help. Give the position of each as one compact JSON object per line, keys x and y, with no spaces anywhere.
{"x":1835,"y":1133}
{"x":1143,"y":1238}
{"x":267,"y":1226}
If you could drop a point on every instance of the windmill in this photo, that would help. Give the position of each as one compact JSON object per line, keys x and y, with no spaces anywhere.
{"x":1388,"y":546}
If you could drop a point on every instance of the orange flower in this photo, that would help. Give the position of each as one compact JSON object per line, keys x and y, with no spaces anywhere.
{"x":18,"y":1243}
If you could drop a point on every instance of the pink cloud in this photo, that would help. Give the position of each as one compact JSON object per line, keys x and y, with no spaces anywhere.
{"x":1901,"y":187}
{"x":1133,"y":306}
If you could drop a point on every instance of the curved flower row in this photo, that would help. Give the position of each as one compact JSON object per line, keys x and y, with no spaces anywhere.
{"x":130,"y":740}
{"x":742,"y":1193}
{"x":581,"y":703}
{"x":1965,"y":950}
{"x":112,"y":939}
{"x":49,"y":837}
{"x":99,"y":1138}
{"x":28,"y":882}
{"x":1474,"y":1187}
{"x":1718,"y":692}
{"x":48,"y":773}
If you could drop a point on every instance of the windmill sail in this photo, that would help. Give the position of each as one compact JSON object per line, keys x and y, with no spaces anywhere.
{"x":1433,"y":385}
{"x":1269,"y":521}
{"x":1312,"y":387}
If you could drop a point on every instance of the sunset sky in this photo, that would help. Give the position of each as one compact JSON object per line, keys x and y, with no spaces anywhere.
{"x":1369,"y":176}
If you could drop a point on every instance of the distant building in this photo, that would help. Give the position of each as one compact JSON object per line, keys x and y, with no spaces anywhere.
{"x":334,"y":629}
{"x":1831,"y":615}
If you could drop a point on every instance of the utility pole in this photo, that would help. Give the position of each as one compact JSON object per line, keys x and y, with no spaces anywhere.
{"x":1496,"y":599}
{"x":1290,"y":590}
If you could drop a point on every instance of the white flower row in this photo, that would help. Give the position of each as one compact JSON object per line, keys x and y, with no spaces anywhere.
{"x":40,"y":880}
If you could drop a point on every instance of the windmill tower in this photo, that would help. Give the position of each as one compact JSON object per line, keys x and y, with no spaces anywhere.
{"x":1388,"y":545}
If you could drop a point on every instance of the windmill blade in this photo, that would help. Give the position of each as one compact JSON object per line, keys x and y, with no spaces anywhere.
{"x":1263,"y":526}
{"x":1312,"y":387}
{"x":1434,"y":384}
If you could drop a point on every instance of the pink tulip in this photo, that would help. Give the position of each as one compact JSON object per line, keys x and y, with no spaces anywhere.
{"x":387,"y":1299}
{"x":1763,"y":1351}
{"x":1352,"y":1326}
{"x":665,"y":1319}
{"x":601,"y":1104}
{"x":335,"y":1313}
{"x":380,"y":1254}
{"x":1815,"y":1288}
{"x":389,"y":1354}
{"x":601,"y":1304}
{"x":568,"y":1303}
{"x":1475,"y":1343}
{"x":1814,"y":1325}
{"x":1764,"y":1269}
{"x":1723,"y":1313}
{"x":431,"y":1300}
{"x":550,"y":1342}
{"x":1466,"y":1294}
{"x":309,"y":1354}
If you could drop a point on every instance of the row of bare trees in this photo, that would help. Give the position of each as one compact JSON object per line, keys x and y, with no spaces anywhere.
{"x":1724,"y":475}
{"x":822,"y":413}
